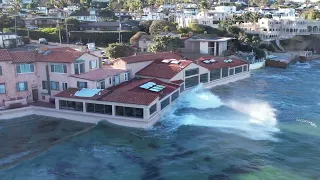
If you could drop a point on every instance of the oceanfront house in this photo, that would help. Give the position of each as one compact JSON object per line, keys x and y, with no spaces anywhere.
{"x":43,"y":21}
{"x":34,"y":76}
{"x":134,"y":92}
{"x":207,"y":44}
{"x":10,"y":40}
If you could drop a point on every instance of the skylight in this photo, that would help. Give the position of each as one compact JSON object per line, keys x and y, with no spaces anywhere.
{"x":175,"y":62}
{"x":166,"y":61}
{"x":87,"y":92}
{"x":228,"y":61}
{"x":151,"y":86}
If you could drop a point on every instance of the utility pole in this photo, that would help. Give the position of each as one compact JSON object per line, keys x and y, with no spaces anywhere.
{"x":67,"y":33}
{"x":59,"y":31}
{"x":119,"y":28}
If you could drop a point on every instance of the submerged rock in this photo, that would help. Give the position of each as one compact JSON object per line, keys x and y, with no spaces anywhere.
{"x":153,"y":146}
{"x":220,"y":176}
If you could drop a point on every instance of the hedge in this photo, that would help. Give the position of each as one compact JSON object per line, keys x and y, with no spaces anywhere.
{"x":98,"y":37}
{"x":101,"y":37}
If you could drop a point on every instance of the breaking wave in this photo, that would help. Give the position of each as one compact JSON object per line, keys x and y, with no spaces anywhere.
{"x":200,"y":107}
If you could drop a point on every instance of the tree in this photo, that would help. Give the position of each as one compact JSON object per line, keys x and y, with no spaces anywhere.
{"x":135,"y":38}
{"x":203,"y":5}
{"x":107,"y":14}
{"x":145,"y":25}
{"x":196,"y":28}
{"x":116,"y":50}
{"x":157,"y":26}
{"x":6,"y":21}
{"x":165,"y":44}
{"x":73,"y":24}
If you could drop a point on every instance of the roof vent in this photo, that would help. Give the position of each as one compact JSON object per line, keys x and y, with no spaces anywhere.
{"x":175,"y":62}
{"x":166,"y":61}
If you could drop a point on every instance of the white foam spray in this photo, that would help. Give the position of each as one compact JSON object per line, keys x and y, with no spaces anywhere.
{"x":258,"y":122}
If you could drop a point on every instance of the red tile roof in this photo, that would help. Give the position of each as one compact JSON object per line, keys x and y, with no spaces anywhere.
{"x":150,"y":57}
{"x":23,"y":56}
{"x":4,"y":55}
{"x":98,"y":74}
{"x":128,"y":92}
{"x":60,"y":55}
{"x":220,"y":62}
{"x":158,"y":69}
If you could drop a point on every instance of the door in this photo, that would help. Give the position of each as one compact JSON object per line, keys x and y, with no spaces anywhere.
{"x":116,"y":80}
{"x":35,"y":95}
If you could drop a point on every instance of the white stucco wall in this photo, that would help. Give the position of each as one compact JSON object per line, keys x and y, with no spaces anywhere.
{"x":204,"y":48}
{"x":135,"y":67}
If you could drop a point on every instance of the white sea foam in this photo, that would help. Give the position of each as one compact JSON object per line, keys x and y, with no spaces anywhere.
{"x":258,"y":122}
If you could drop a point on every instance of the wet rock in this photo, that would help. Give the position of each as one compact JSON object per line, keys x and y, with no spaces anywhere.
{"x":153,"y":146}
{"x":183,"y":154}
{"x":220,"y":176}
{"x":240,"y":169}
{"x":151,"y":171}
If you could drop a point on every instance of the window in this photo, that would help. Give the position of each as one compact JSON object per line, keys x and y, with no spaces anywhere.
{"x":191,"y":72}
{"x":93,"y":64}
{"x":181,"y":88}
{"x":193,"y":81}
{"x":44,"y":85}
{"x":71,"y":105}
{"x":238,"y":70}
{"x":82,"y":84}
{"x":110,"y":80}
{"x":2,"y":88}
{"x":174,"y":96}
{"x":24,"y":68}
{"x":126,"y":78}
{"x":22,"y":86}
{"x":129,"y":112}
{"x":54,"y":85}
{"x":245,"y":68}
{"x":225,"y":72}
{"x":153,"y":109}
{"x":59,"y":68}
{"x":102,"y":84}
{"x":204,"y":78}
{"x":64,"y":86}
{"x":215,"y":74}
{"x":79,"y":68}
{"x":231,"y":71}
{"x":0,"y":70}
{"x":165,"y":103}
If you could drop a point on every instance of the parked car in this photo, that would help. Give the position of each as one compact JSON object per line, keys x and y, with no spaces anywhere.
{"x":43,"y":41}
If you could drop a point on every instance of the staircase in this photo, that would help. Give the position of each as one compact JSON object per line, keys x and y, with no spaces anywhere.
{"x":279,"y":45}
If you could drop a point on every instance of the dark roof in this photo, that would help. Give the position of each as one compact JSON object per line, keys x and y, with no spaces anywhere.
{"x":60,"y":55}
{"x":220,"y":62}
{"x":8,"y":33}
{"x":98,"y":74}
{"x":158,"y":69}
{"x":128,"y":92}
{"x":80,"y":13}
{"x":150,"y":57}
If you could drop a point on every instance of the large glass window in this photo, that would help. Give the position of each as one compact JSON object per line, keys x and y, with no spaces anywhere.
{"x":129,"y":112}
{"x":238,"y":70}
{"x":193,"y":81}
{"x":165,"y":103}
{"x":153,"y":108}
{"x":59,"y":68}
{"x":231,"y":71}
{"x":225,"y":72}
{"x":82,"y":84}
{"x":24,"y":68}
{"x":54,"y":85}
{"x":181,"y":87}
{"x":245,"y":67}
{"x":0,"y":70}
{"x":191,"y":72}
{"x":71,"y":105}
{"x":102,"y":84}
{"x":2,"y":88}
{"x":174,"y":96}
{"x":204,"y":78}
{"x":99,"y":108}
{"x":22,"y":86}
{"x":79,"y":68}
{"x":64,"y":86}
{"x":93,"y":64}
{"x":215,"y":74}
